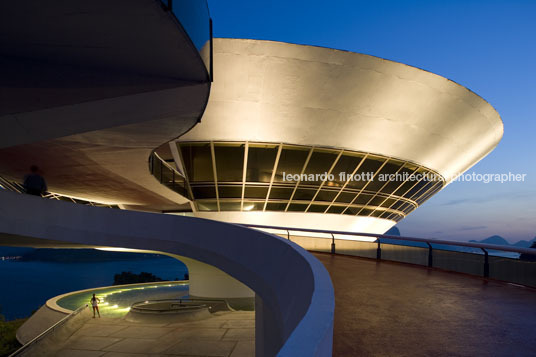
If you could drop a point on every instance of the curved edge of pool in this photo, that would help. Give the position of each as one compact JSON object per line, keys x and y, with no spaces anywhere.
{"x":50,"y":313}
{"x":52,"y":303}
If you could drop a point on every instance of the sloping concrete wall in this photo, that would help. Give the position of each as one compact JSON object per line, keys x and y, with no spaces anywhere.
{"x":50,"y":343}
{"x":38,"y":323}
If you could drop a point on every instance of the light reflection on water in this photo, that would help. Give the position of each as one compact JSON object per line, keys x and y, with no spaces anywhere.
{"x":116,"y":302}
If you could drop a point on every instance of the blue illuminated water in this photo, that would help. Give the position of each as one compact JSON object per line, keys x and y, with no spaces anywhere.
{"x":115,"y":301}
{"x":25,"y":286}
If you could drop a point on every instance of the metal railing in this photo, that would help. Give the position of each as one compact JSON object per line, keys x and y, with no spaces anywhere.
{"x":11,"y":186}
{"x":476,"y":259}
{"x":19,"y":188}
{"x":168,"y":175}
{"x":47,"y":332}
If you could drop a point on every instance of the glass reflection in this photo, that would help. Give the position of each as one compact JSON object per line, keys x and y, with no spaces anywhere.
{"x":390,"y":195}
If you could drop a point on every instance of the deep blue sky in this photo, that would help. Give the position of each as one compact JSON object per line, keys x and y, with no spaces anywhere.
{"x":487,"y":46}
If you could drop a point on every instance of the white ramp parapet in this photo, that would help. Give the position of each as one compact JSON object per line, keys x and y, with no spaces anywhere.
{"x":294,"y":294}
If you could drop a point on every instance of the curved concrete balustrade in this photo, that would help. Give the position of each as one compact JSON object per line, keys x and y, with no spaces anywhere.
{"x":294,"y":294}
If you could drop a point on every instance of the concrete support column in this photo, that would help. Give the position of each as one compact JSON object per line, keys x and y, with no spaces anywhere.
{"x":210,"y":282}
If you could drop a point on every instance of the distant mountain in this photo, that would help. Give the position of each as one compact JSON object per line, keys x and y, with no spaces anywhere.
{"x":501,"y":241}
{"x":492,"y":240}
{"x":394,"y":231}
{"x":496,"y":240}
{"x":14,"y":251}
{"x":82,"y":256}
{"x":525,"y":243}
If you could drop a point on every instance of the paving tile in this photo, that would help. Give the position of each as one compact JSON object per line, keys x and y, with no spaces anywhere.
{"x":142,"y":332}
{"x":93,"y":343}
{"x":214,"y":323}
{"x":200,"y":333}
{"x":202,"y":348}
{"x":244,"y":349}
{"x":78,"y":353}
{"x":98,"y":330}
{"x":121,"y":354}
{"x":239,"y":324}
{"x":143,"y":345}
{"x":136,"y":345}
{"x":169,"y":355}
{"x":239,"y":334}
{"x":106,"y":321}
{"x":239,"y":315}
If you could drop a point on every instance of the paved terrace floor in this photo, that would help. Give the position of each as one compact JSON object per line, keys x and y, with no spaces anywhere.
{"x":390,"y":309}
{"x":225,"y":334}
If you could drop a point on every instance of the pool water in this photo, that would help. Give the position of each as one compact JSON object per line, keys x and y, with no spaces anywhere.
{"x":116,"y":301}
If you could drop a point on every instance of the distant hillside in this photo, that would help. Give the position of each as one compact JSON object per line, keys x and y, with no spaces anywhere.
{"x":394,"y":231}
{"x":501,"y":241}
{"x":496,"y":240}
{"x":525,"y":243}
{"x":492,"y":240}
{"x":82,"y":256}
{"x":14,"y":251}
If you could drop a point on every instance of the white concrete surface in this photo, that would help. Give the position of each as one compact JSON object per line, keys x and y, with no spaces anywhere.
{"x":210,"y":282}
{"x":304,"y":220}
{"x":278,"y":92}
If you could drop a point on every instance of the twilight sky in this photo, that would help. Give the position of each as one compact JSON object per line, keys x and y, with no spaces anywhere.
{"x":487,"y":46}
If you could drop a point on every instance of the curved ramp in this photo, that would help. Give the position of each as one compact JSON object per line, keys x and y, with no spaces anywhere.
{"x":294,"y":294}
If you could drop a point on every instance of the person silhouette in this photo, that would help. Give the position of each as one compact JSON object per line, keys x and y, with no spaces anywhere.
{"x":34,"y":183}
{"x":95,"y":304}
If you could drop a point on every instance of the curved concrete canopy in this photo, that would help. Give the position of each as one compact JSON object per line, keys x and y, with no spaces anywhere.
{"x":278,"y":92}
{"x":68,"y":54}
{"x":87,"y":97}
{"x":294,"y":308}
{"x":111,"y":165}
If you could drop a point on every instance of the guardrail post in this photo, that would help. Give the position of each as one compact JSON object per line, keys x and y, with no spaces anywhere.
{"x":170,"y":5}
{"x":288,"y":234}
{"x":486,"y":263}
{"x":332,"y":244}
{"x":430,"y":255}
{"x":379,"y":250}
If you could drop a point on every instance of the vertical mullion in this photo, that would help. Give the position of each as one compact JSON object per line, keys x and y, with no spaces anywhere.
{"x":323,"y":182}
{"x":378,"y":191}
{"x":347,"y":181}
{"x":187,"y":182}
{"x":244,"y":172}
{"x":362,"y":189}
{"x":276,"y":162}
{"x":213,"y":154}
{"x":301,"y":173}
{"x":396,"y":189}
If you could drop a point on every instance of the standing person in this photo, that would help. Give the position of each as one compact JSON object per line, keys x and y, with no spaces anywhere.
{"x":34,"y":183}
{"x":95,"y":304}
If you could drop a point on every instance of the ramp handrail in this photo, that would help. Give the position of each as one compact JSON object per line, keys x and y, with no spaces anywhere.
{"x":48,"y":331}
